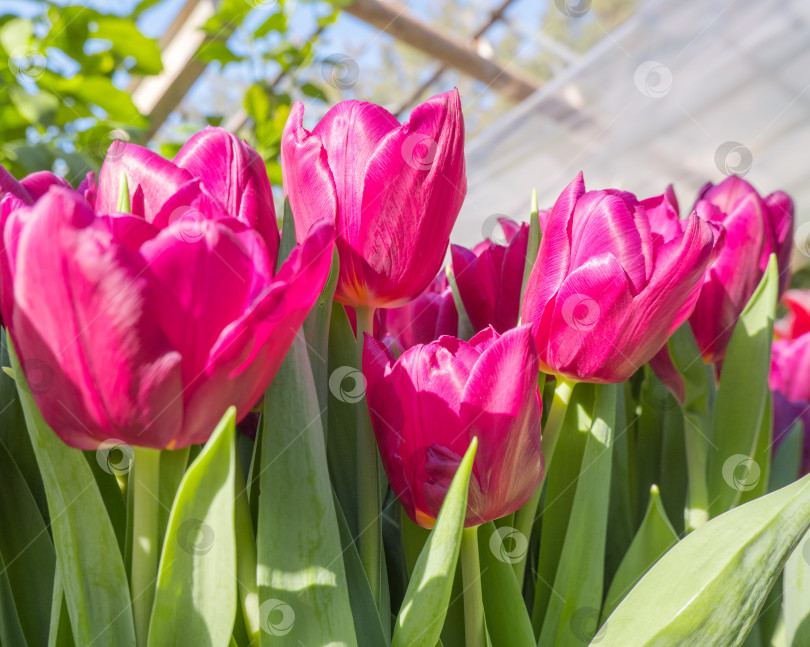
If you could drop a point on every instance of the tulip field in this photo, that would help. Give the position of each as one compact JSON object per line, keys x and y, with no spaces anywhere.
{"x":230,"y":427}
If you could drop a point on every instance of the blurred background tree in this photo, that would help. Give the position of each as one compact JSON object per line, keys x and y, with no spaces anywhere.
{"x":70,"y":73}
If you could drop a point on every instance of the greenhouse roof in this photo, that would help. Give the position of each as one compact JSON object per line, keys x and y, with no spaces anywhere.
{"x":673,"y":95}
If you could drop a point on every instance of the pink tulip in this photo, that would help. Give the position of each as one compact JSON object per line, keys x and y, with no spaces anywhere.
{"x":393,"y":192}
{"x":425,"y":319}
{"x":145,"y":328}
{"x":755,"y":227}
{"x":428,"y":405}
{"x":214,"y":174}
{"x":614,"y":278}
{"x":489,"y":278}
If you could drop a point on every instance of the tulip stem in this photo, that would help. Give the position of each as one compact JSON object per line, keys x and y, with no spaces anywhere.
{"x":145,"y":549}
{"x":474,"y":630}
{"x":368,"y":489}
{"x":525,"y":517}
{"x":246,"y":560}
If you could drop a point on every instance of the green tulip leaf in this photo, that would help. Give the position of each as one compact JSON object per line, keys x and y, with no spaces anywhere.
{"x":560,"y":494}
{"x":533,"y":245}
{"x":787,"y":458}
{"x":655,"y":537}
{"x":346,"y":389}
{"x":578,"y":583}
{"x":741,"y":397}
{"x":507,"y":619}
{"x":420,"y":619}
{"x":367,"y":624}
{"x":303,"y":594}
{"x":27,"y":561}
{"x":709,"y":588}
{"x":796,"y":596}
{"x":86,"y":546}
{"x":195,"y":597}
{"x":316,"y":332}
{"x":288,"y":240}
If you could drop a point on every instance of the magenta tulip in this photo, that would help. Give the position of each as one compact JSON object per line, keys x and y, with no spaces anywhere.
{"x":144,"y":328}
{"x":423,"y":320}
{"x":393,"y":192}
{"x":214,"y":174}
{"x":755,"y":227}
{"x":614,"y":278}
{"x":490,"y":277}
{"x":428,"y":405}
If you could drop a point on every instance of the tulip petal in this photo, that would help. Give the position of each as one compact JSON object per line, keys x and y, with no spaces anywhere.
{"x":412,"y":216}
{"x":202,"y":276}
{"x":247,"y":354}
{"x":477,"y":278}
{"x":502,"y":407}
{"x":83,"y":320}
{"x":554,"y":255}
{"x":507,"y":304}
{"x":589,"y":311}
{"x":350,"y":133}
{"x":670,"y":297}
{"x":234,"y":173}
{"x":726,"y":289}
{"x":308,"y":181}
{"x":602,"y":224}
{"x":151,"y":179}
{"x":37,"y":184}
{"x":8,"y":185}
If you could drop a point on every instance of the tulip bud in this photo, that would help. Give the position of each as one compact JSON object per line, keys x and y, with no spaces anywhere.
{"x":427,"y":406}
{"x":755,"y":227}
{"x":614,"y":277}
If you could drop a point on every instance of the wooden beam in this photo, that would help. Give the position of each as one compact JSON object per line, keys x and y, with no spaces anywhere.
{"x":444,"y":47}
{"x":157,"y":96}
{"x":494,"y":16}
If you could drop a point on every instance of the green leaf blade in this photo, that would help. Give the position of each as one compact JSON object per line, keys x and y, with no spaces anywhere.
{"x":195,"y":598}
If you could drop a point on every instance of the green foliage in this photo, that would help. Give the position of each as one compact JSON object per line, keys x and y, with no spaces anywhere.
{"x":59,"y":107}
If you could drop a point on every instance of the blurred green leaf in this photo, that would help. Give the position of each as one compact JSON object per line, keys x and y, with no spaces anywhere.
{"x":787,"y":458}
{"x":709,"y":588}
{"x":127,"y":40}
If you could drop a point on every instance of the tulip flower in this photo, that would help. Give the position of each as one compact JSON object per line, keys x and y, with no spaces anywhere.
{"x":431,"y":315}
{"x":428,"y":405}
{"x":755,"y":227}
{"x":214,"y":174}
{"x":146,"y":328}
{"x":614,"y":277}
{"x":490,"y":277}
{"x":392,"y":191}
